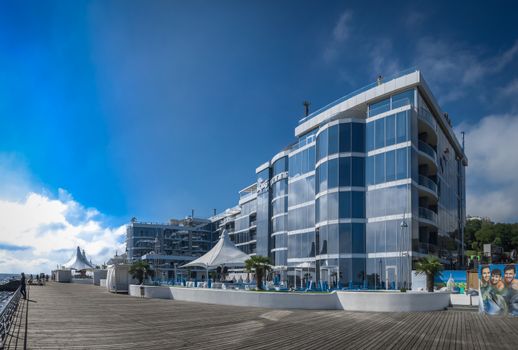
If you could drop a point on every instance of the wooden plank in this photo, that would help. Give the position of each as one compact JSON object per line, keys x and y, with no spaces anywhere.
{"x":71,"y":316}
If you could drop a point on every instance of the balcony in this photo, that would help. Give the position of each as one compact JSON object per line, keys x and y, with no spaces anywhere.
{"x":428,"y":183}
{"x":428,"y":150}
{"x":427,"y":214}
{"x":427,"y":117}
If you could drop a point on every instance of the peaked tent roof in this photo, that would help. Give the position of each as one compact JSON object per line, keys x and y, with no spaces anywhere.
{"x":223,"y":253}
{"x":78,"y":262}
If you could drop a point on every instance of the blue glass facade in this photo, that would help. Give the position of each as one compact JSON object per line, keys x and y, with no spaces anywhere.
{"x":363,"y":194}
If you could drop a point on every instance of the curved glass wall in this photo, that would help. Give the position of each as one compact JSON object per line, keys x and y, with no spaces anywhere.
{"x":388,"y":210}
{"x":339,"y":187}
{"x":279,"y":206}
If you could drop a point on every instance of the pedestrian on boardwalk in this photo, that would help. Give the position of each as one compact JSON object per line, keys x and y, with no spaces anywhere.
{"x":23,"y":286}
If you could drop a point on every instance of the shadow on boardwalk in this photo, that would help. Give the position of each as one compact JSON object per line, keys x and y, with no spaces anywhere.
{"x":70,"y":316}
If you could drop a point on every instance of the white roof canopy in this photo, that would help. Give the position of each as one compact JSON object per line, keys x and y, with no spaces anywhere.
{"x":78,"y":262}
{"x":224,"y":253}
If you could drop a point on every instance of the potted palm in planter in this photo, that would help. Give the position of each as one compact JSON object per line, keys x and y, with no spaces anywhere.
{"x":431,"y":267}
{"x":140,"y":270}
{"x":259,"y":264}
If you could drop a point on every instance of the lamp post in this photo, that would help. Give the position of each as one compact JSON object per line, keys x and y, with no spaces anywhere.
{"x":403,"y":252}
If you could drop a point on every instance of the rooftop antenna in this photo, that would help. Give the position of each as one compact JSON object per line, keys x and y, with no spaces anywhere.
{"x":306,"y":107}
{"x":214,"y":211}
{"x":192,"y":213}
{"x":379,"y":80}
{"x":463,"y":133}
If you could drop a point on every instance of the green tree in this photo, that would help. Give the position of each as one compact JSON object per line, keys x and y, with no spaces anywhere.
{"x":472,"y":226}
{"x":259,"y":264}
{"x":486,"y":234}
{"x":140,"y":270}
{"x":431,"y":267}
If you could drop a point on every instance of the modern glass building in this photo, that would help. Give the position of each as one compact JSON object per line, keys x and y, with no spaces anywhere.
{"x":375,"y":181}
{"x":168,"y":246}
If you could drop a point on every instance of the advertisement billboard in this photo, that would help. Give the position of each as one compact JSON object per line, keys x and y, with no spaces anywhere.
{"x":498,"y":291}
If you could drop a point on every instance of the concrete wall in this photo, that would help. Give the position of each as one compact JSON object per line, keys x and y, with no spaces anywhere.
{"x":62,"y":276}
{"x":393,"y":301}
{"x":82,"y":280}
{"x":350,"y":301}
{"x":241,"y":298}
{"x":464,"y":300}
{"x":98,"y":275}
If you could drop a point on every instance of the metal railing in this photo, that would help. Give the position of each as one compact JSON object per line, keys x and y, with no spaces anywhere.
{"x":427,"y":149}
{"x":7,"y":313}
{"x":357,"y":92}
{"x":427,"y":182}
{"x":427,"y":214}
{"x":427,"y":117}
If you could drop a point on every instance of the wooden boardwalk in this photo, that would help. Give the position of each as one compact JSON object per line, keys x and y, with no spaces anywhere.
{"x":73,"y":316}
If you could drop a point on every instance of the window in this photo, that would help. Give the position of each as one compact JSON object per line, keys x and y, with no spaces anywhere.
{"x":379,"y":167}
{"x":333,"y":173}
{"x":263,"y":175}
{"x":358,"y":139}
{"x":358,"y":170}
{"x":390,"y":158}
{"x":358,"y":238}
{"x":380,"y":133}
{"x":323,"y":177}
{"x":390,"y":130}
{"x":345,"y":205}
{"x":333,"y":139}
{"x":379,"y":107}
{"x":345,"y":137}
{"x":402,"y":127}
{"x":402,"y":163}
{"x":280,"y":166}
{"x":322,"y":142}
{"x":370,"y":136}
{"x":345,"y":238}
{"x":403,"y":99}
{"x":332,"y":206}
{"x":358,"y":204}
{"x":369,"y":169}
{"x":345,"y":172}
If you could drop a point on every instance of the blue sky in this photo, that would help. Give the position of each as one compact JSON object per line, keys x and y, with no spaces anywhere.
{"x":151,"y":108}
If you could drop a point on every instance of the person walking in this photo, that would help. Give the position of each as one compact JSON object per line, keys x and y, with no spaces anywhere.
{"x":23,"y":286}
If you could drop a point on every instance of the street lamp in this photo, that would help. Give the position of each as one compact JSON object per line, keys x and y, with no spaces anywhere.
{"x":402,"y":252}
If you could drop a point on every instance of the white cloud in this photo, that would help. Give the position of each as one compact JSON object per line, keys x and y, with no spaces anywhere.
{"x":341,"y":32}
{"x":511,"y":89}
{"x":382,"y":57}
{"x":38,"y":232}
{"x":492,"y":189}
{"x":341,"y":29}
{"x":451,"y":68}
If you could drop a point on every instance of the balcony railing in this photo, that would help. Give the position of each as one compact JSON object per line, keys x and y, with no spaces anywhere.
{"x":426,"y":148}
{"x":427,"y":117}
{"x":428,"y":183}
{"x":357,"y":92}
{"x":428,"y":214}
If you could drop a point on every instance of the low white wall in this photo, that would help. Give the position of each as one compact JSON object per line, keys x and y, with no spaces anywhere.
{"x":83,"y":280}
{"x":276,"y":300}
{"x":98,"y":275}
{"x":349,"y":301}
{"x":102,"y":282}
{"x":393,"y":301}
{"x":156,"y":292}
{"x":464,"y":300}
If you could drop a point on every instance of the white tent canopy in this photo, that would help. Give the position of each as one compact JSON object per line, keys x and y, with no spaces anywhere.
{"x":78,"y":262}
{"x":224,"y":253}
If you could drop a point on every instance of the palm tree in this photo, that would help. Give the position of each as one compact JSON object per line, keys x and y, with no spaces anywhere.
{"x":431,"y":267}
{"x":140,"y":270}
{"x":259,"y":264}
